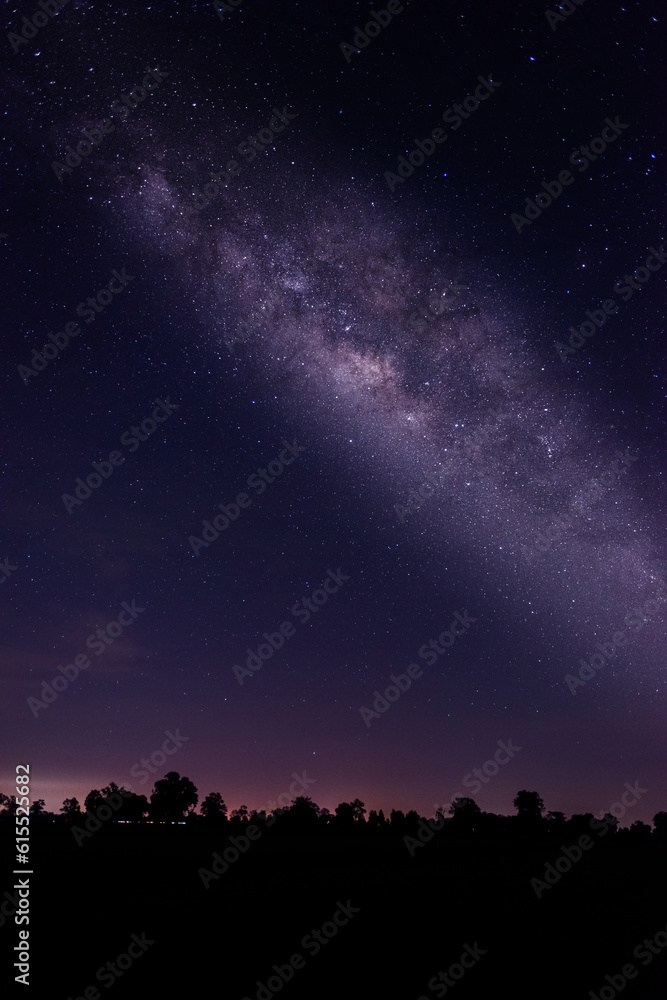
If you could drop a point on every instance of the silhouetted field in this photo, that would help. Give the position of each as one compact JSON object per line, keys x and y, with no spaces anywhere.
{"x":416,"y":915}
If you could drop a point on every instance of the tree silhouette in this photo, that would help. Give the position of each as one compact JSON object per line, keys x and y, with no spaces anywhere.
{"x":412,"y":818}
{"x":213,"y":809}
{"x":175,"y":797}
{"x":93,"y":800}
{"x":305,"y":811}
{"x":349,"y":815}
{"x":113,"y":789}
{"x":612,"y":823}
{"x":555,"y":821}
{"x":358,"y":810}
{"x":172,"y":796}
{"x":581,"y":823}
{"x":302,"y":816}
{"x":660,"y":825}
{"x":397,"y":822}
{"x":133,"y":808}
{"x":71,"y":810}
{"x":640,"y":832}
{"x":440,"y":815}
{"x":529,"y":805}
{"x":344,"y":817}
{"x":376,"y":823}
{"x":465,"y":814}
{"x":324,"y":817}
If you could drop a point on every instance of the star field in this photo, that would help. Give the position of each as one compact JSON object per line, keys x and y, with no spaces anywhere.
{"x":402,"y":337}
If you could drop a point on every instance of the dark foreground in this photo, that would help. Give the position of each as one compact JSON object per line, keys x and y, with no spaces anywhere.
{"x":399,"y":920}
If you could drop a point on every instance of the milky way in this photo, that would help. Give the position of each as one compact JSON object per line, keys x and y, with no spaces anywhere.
{"x":405,"y":337}
{"x":324,"y":309}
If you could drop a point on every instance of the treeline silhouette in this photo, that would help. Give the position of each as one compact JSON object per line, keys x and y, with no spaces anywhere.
{"x":221,"y":899}
{"x":174,"y":800}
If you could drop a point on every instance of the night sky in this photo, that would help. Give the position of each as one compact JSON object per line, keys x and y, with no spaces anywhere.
{"x":358,"y":335}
